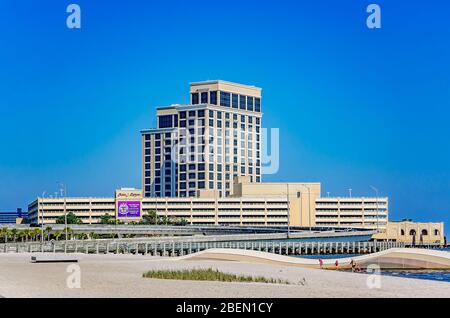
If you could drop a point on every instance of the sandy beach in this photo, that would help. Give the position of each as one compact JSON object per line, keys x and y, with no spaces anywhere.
{"x":121,"y":276}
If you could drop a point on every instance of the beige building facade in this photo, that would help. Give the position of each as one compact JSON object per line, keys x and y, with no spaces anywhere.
{"x":413,"y":232}
{"x":360,"y":212}
{"x":251,"y":204}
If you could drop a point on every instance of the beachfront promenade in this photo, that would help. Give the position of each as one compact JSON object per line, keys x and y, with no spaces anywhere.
{"x":394,"y":258}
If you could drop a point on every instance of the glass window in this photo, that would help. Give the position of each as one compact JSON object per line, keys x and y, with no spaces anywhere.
{"x":183,"y":115}
{"x":225,"y":99}
{"x":249,"y":103}
{"x":165,"y":121}
{"x":201,"y":113}
{"x":235,"y":100}
{"x":213,"y":97}
{"x":204,"y":98}
{"x":242,"y":102}
{"x":257,"y":104}
{"x":194,"y":98}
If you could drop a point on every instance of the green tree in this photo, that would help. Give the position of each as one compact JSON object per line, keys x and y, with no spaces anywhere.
{"x":82,"y":236}
{"x":57,"y":235}
{"x":27,"y":234}
{"x":71,"y":219}
{"x":14,"y":233}
{"x":69,"y":232}
{"x":150,"y":218}
{"x":107,"y":219}
{"x":21,"y":235}
{"x":35,"y":233}
{"x":4,"y":233}
{"x":48,"y":230}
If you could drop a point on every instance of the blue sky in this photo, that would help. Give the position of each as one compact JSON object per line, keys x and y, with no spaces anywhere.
{"x":355,"y":107}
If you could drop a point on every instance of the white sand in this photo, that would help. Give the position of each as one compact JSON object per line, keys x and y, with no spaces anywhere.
{"x":121,"y":276}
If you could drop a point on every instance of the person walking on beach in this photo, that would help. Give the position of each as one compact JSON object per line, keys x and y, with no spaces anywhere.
{"x":320,"y":263}
{"x":353,"y":265}
{"x":336,"y":264}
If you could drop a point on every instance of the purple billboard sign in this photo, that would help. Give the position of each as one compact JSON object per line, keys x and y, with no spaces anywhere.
{"x":129,"y":209}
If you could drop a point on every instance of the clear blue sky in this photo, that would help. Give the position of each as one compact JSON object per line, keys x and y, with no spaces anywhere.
{"x":355,"y":107}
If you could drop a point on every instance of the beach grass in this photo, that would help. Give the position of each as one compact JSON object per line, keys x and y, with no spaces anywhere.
{"x":209,"y":274}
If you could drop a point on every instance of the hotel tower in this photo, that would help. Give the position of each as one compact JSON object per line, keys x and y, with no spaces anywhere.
{"x":203,"y":146}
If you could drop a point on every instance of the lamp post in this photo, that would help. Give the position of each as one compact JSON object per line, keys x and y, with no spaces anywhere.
{"x":309,"y":205}
{"x":289,"y":211}
{"x":42,"y":221}
{"x":376,"y":193}
{"x":63,"y":186}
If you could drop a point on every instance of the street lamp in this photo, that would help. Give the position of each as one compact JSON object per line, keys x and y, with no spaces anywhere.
{"x":63,"y":186}
{"x":376,"y":193}
{"x":309,"y":204}
{"x":289,"y":211}
{"x":42,"y":221}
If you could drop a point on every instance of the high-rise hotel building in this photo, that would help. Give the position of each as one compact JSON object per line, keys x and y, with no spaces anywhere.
{"x":203,"y":146}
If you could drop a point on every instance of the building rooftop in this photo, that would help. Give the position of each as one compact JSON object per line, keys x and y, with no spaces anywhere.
{"x":209,"y":82}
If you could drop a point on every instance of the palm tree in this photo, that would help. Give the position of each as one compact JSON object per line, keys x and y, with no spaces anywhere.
{"x":27,"y":234}
{"x":21,"y":235}
{"x":57,"y":235}
{"x":14,"y":233}
{"x":69,"y":233}
{"x":35,"y":233}
{"x":48,"y":229}
{"x":4,"y":232}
